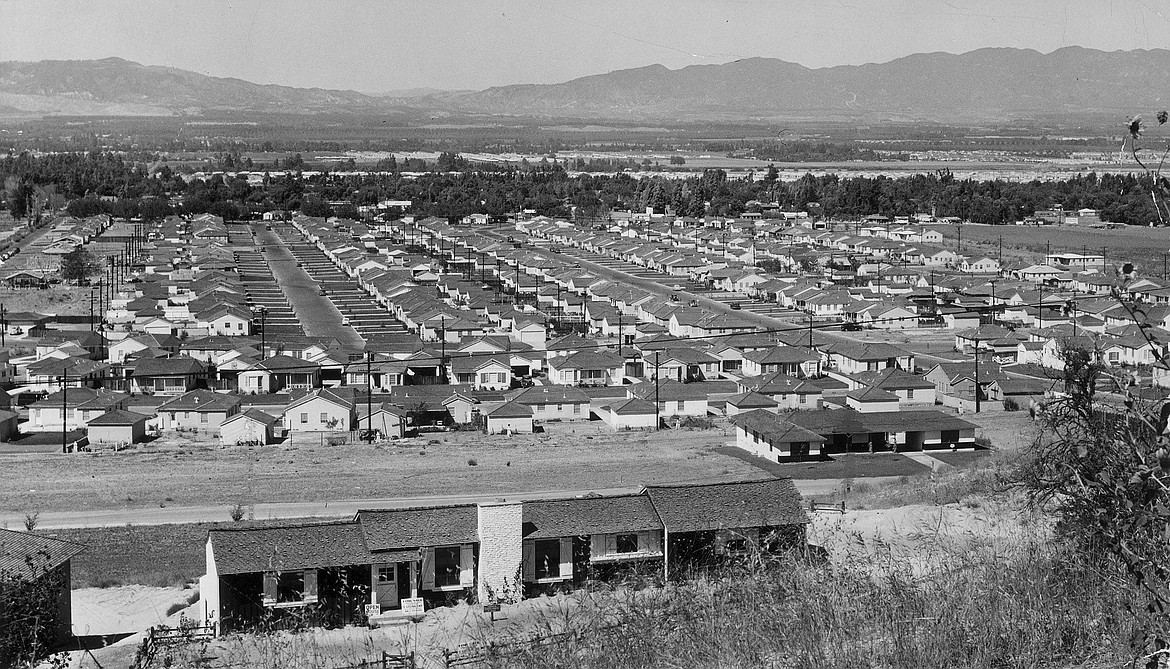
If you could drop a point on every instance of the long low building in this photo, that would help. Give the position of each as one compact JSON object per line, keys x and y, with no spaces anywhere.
{"x":847,"y":430}
{"x":386,"y":565}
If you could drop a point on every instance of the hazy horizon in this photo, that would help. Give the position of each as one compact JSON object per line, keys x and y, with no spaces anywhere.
{"x":375,"y":47}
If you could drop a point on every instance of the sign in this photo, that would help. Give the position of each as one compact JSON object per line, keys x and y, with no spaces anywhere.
{"x":413,"y":607}
{"x":373,"y":611}
{"x":493,"y":607}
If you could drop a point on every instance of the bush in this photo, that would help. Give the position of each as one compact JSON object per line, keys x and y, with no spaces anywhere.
{"x":471,"y":462}
{"x":237,"y":512}
{"x":1010,"y":404}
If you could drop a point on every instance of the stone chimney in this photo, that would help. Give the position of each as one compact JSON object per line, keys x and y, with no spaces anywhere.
{"x":501,"y":550}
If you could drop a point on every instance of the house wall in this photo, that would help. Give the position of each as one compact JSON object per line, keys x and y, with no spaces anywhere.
{"x":501,"y":539}
{"x":317,"y":415}
{"x":564,"y":411}
{"x":117,"y":433}
{"x":518,"y":425}
{"x":209,"y":606}
{"x":244,"y":430}
{"x":871,"y":407}
{"x":171,"y":420}
{"x":627,"y":422}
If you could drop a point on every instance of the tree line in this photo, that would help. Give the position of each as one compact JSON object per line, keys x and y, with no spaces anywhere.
{"x":124,"y":186}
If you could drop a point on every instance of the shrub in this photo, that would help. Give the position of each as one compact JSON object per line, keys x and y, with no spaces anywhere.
{"x":1010,"y":404}
{"x":471,"y":462}
{"x":30,"y":520}
{"x":237,"y":512}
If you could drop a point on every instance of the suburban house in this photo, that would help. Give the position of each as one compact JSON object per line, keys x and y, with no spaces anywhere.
{"x":280,"y":372}
{"x":587,"y":368}
{"x":117,"y":427}
{"x":251,"y":426}
{"x":201,"y":410}
{"x":167,"y":376}
{"x":509,"y":418}
{"x":628,"y":414}
{"x":553,"y":402}
{"x":764,"y":434}
{"x":320,"y":410}
{"x":481,"y":372}
{"x":383,"y":566}
{"x":846,"y":430}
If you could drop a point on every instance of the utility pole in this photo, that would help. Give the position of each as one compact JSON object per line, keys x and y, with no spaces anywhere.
{"x":657,"y":406}
{"x":91,"y":296}
{"x":977,"y":375}
{"x":620,"y":337}
{"x":1041,"y":326}
{"x":64,"y":409}
{"x":3,"y":324}
{"x":1001,"y":251}
{"x":443,"y":347}
{"x":369,"y":398}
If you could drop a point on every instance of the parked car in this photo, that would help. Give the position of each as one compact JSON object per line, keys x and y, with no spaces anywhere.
{"x":735,"y":305}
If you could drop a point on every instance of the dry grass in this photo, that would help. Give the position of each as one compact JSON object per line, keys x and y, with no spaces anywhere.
{"x":58,"y":299}
{"x":568,"y":457}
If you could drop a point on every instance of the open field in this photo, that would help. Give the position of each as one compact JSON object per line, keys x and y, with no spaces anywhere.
{"x":1145,"y":247}
{"x":59,"y":299}
{"x":569,"y":457}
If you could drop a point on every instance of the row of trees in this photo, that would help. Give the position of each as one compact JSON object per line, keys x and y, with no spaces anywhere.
{"x":459,"y":188}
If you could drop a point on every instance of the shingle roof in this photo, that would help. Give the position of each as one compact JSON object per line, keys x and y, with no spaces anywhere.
{"x":772,"y":427}
{"x":589,"y":515}
{"x":421,"y":526}
{"x":118,"y":417}
{"x":692,"y":508}
{"x":304,"y":546}
{"x":45,"y":553}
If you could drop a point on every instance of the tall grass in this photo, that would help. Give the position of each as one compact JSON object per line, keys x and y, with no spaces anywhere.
{"x":1026,"y":605}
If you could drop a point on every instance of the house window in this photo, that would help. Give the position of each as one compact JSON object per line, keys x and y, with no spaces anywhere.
{"x":680,"y":405}
{"x":447,"y":566}
{"x":627,"y":543}
{"x":548,"y":558}
{"x":560,"y":407}
{"x":502,"y":377}
{"x":576,"y":409}
{"x":324,"y":418}
{"x":304,"y":418}
{"x":203,"y":418}
{"x":735,"y":546}
{"x":803,"y":399}
{"x":910,"y":394}
{"x":290,"y":586}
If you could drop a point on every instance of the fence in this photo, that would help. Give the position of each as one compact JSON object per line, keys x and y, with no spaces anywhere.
{"x":486,"y":654}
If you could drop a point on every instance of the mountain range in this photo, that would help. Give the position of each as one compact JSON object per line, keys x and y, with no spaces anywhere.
{"x":985,"y":85}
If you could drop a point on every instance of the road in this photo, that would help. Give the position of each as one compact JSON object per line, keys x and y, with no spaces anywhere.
{"x":331,"y":509}
{"x":317,"y":314}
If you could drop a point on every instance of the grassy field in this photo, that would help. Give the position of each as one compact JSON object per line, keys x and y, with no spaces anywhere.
{"x":568,"y":457}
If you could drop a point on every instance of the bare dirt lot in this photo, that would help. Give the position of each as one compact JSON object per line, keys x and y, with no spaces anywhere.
{"x":1145,"y":247}
{"x":567,"y":457}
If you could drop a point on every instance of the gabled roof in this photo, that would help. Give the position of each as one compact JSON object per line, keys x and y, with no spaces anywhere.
{"x":200,"y":400}
{"x":511,"y":410}
{"x":694,"y":508}
{"x":177,"y":366}
{"x":419,"y":527}
{"x":774,"y":428}
{"x":289,"y":547}
{"x":118,"y":417}
{"x":45,"y":553}
{"x":581,"y":516}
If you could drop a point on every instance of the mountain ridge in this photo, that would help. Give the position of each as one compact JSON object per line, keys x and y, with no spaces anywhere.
{"x":988,"y":84}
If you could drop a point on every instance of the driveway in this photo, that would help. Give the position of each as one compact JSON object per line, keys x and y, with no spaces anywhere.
{"x":318,"y":316}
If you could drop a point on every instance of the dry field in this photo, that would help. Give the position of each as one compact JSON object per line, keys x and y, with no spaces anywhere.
{"x":59,"y":299}
{"x":1145,"y":247}
{"x":568,"y":457}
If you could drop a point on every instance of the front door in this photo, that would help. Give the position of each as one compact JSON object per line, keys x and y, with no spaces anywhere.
{"x":388,"y":586}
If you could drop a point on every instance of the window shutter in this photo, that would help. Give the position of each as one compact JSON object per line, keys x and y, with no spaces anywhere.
{"x":567,"y":557}
{"x":310,"y":586}
{"x":529,"y":561}
{"x":428,"y":569}
{"x":269,"y":596}
{"x":597,"y":545}
{"x":466,"y":566}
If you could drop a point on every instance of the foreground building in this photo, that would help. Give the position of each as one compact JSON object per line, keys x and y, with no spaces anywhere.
{"x":385,"y":565}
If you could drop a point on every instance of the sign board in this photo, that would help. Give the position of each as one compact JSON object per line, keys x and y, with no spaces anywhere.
{"x":413,"y":606}
{"x":373,"y":610}
{"x":493,"y":607}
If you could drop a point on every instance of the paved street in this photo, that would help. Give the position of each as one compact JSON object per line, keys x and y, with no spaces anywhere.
{"x":318,"y":316}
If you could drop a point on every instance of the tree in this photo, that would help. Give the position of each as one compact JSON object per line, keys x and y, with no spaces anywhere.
{"x":28,"y":613}
{"x":78,"y":265}
{"x":85,"y":207}
{"x":313,"y":205}
{"x":678,"y":160}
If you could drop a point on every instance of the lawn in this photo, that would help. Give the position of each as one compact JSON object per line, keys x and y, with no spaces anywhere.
{"x":842,"y":466}
{"x":961,"y":458}
{"x":567,"y":457}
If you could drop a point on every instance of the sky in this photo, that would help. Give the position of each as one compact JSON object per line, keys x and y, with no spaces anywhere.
{"x":383,"y":45}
